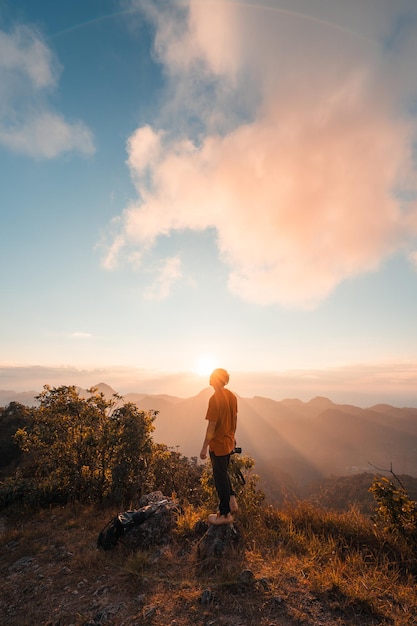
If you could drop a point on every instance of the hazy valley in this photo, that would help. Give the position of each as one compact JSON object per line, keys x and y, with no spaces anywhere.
{"x":293,"y":442}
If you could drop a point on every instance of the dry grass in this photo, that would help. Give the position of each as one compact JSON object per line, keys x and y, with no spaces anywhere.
{"x":299,"y":566}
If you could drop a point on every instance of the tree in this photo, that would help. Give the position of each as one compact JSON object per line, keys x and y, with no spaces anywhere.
{"x":176,"y":474}
{"x":12,"y":417}
{"x":395,"y":509}
{"x":130,"y":456}
{"x":86,"y":448}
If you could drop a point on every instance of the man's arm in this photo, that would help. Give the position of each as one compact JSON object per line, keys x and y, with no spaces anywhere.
{"x":211,"y":427}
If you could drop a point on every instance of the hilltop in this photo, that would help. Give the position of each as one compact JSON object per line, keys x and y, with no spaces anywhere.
{"x":297,"y":563}
{"x":306,"y":567}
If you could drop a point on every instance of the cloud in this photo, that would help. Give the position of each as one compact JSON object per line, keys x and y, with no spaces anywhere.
{"x":167,"y":275}
{"x":28,"y":124}
{"x":413,"y":258}
{"x":110,"y":260}
{"x":362,"y":384}
{"x":47,"y":135}
{"x":306,"y":179}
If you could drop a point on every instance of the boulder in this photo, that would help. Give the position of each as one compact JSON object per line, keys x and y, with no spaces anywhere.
{"x":219,"y":541}
{"x":148,"y":525}
{"x":156,"y":525}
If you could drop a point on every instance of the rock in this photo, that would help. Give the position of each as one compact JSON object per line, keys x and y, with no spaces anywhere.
{"x":200,"y":528}
{"x":155,"y":497}
{"x":207,"y":597}
{"x":246,"y":576}
{"x":149,"y":612}
{"x":265,"y":583}
{"x":219,"y":541}
{"x":101,"y":591}
{"x":152,"y":523}
{"x":21,"y":563}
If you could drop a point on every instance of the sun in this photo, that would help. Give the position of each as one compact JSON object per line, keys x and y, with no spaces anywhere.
{"x":205,"y":364}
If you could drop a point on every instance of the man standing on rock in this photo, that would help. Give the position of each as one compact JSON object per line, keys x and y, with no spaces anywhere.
{"x":220,"y":439}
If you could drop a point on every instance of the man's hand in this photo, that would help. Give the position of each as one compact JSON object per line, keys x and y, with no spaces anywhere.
{"x":211,"y":427}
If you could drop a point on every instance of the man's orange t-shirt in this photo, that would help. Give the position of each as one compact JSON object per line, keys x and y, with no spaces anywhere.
{"x":222,"y":409}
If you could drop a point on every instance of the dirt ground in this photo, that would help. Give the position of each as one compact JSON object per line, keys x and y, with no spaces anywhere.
{"x":52,"y":574}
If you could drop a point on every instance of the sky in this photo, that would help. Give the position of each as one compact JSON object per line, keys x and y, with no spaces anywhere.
{"x":190,"y":184}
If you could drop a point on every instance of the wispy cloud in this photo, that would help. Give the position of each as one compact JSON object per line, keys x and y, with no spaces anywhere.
{"x":413,"y":259}
{"x":81,"y":335}
{"x":304,"y":148}
{"x":29,"y":125}
{"x":166,"y":276}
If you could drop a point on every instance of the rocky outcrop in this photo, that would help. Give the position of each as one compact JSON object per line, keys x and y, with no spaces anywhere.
{"x":219,"y":541}
{"x":151,"y":524}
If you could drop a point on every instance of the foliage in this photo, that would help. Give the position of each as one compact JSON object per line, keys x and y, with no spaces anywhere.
{"x":12,"y":417}
{"x":187,"y":519}
{"x":94,"y":449}
{"x":395,"y":509}
{"x":175,"y":474}
{"x":84,"y":449}
{"x":130,"y":453}
{"x":245,"y":486}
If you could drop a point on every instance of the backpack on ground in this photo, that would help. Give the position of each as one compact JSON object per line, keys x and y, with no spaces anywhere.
{"x":117,"y":527}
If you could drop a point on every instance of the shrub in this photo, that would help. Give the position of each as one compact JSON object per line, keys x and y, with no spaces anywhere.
{"x":86,"y":449}
{"x":395,"y":510}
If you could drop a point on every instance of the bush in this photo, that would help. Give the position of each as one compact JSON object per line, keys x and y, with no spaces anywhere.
{"x":83,"y":449}
{"x":395,"y":509}
{"x":12,"y":417}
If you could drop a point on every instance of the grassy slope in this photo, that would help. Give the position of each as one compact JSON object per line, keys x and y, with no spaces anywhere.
{"x":309,"y":567}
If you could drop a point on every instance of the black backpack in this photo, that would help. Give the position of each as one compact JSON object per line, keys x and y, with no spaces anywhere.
{"x":117,"y":527}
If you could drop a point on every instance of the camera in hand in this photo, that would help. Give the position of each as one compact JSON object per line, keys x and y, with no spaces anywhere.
{"x":236,"y":450}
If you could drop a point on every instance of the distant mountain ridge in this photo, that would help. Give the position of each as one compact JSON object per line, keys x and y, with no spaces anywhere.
{"x":23,"y":397}
{"x":289,"y":439}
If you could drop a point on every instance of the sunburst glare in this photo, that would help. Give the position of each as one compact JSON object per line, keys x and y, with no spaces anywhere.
{"x":205,"y":364}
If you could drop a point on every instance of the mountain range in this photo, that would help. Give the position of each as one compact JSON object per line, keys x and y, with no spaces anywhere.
{"x":290,"y":440}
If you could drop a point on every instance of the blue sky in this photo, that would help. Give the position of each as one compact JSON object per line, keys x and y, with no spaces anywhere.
{"x":210,"y":183}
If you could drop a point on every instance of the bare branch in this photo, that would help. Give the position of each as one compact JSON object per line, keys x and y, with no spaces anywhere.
{"x":390,"y":471}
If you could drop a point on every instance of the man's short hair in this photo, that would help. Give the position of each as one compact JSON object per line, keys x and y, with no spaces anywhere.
{"x":221,"y":375}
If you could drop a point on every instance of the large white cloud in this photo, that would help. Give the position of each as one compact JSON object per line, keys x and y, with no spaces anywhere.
{"x":306,"y":188}
{"x":28,"y":124}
